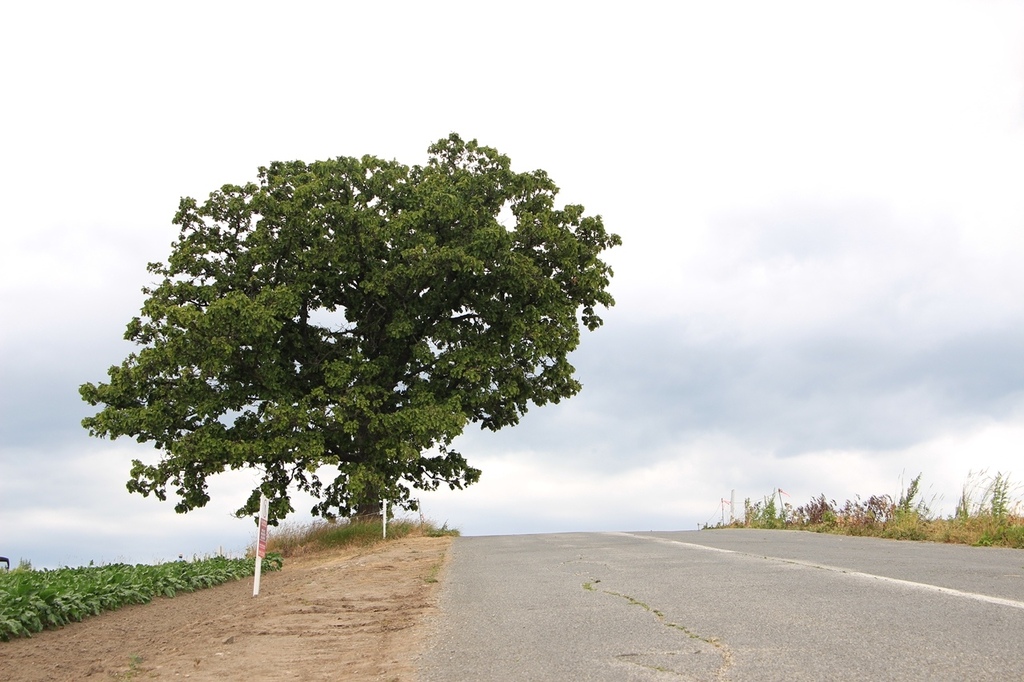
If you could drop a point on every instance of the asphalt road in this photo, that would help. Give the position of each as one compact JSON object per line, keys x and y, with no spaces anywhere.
{"x":726,"y":605}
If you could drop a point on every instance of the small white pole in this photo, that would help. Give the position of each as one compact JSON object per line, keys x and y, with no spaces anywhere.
{"x":732,"y":506}
{"x":261,"y":545}
{"x":384,"y":517}
{"x":256,"y":578}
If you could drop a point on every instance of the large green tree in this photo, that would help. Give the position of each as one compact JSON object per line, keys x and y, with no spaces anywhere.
{"x":352,"y":316}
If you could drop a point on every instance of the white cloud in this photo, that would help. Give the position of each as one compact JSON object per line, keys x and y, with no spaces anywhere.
{"x":819,"y":284}
{"x":681,"y":485}
{"x":67,"y":505}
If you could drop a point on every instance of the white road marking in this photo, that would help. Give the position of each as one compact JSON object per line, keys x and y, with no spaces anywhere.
{"x":1000,"y":601}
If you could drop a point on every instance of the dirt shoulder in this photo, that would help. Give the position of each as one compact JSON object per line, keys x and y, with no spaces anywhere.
{"x":357,"y":616}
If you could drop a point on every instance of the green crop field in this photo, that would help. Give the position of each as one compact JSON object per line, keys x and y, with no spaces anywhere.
{"x":31,"y":601}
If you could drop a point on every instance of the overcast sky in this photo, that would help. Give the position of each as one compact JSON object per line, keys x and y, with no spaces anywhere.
{"x":821,"y":285}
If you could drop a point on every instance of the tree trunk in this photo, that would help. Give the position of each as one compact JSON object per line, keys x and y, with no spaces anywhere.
{"x":368,"y":510}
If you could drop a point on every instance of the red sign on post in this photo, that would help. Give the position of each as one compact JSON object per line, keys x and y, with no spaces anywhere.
{"x":261,"y":548}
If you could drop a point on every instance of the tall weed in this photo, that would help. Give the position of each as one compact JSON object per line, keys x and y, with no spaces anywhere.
{"x":985,"y":514}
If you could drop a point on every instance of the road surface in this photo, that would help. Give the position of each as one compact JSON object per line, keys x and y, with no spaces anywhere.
{"x":726,"y":605}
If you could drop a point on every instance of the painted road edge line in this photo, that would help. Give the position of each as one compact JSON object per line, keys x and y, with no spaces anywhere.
{"x":1000,"y":601}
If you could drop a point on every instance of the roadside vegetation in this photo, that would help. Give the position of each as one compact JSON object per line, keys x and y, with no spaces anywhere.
{"x":987,"y":514}
{"x":293,"y":540}
{"x":32,"y":601}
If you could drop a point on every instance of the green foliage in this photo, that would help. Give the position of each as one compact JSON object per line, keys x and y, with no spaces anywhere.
{"x":431,"y":576}
{"x":999,"y":497}
{"x":994,"y":519}
{"x":906,"y":519}
{"x":31,"y":601}
{"x":354,"y":316}
{"x":905,"y":526}
{"x":443,"y":531}
{"x":906,"y":504}
{"x":764,"y":514}
{"x":1003,"y":535}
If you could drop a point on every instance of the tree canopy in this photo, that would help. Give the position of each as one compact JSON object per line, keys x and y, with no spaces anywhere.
{"x":352,"y":316}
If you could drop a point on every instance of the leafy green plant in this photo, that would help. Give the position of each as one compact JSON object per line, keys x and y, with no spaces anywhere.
{"x":999,"y":497}
{"x":134,"y":668}
{"x":32,"y":601}
{"x":766,"y":514}
{"x":906,"y":504}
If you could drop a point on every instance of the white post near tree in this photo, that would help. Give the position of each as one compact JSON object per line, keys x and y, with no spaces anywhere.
{"x":261,"y":545}
{"x":384,"y":518}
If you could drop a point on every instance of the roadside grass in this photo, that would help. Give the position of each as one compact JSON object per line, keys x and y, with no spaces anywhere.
{"x":295,"y":539}
{"x":987,"y":514}
{"x":432,"y":575}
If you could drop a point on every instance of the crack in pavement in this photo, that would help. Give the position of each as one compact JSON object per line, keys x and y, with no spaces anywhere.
{"x":720,"y":647}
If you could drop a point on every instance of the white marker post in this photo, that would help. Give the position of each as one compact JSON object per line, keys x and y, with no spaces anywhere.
{"x":384,"y":518}
{"x":261,"y":545}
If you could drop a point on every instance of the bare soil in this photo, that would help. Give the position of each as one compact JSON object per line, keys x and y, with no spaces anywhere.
{"x":358,"y":615}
